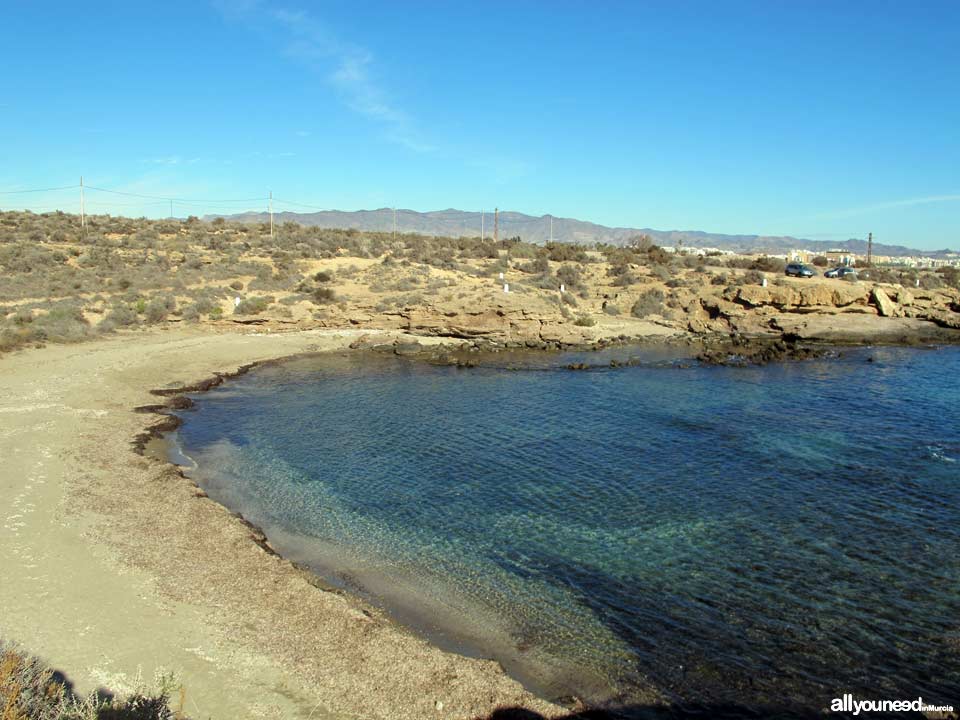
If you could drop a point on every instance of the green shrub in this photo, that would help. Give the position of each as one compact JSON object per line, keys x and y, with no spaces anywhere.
{"x":584,"y":321}
{"x":252,"y":306}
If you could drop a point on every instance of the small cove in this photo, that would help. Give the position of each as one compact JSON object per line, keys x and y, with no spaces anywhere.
{"x":763,"y":535}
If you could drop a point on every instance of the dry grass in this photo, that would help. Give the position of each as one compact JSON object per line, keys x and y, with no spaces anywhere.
{"x":29,"y":690}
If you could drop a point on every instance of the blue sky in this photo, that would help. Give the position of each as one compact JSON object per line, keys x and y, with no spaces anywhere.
{"x":824,"y":120}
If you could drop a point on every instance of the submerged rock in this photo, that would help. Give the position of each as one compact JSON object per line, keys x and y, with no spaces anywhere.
{"x":740,"y":350}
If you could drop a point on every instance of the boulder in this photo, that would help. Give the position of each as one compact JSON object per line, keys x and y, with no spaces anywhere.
{"x":886,"y":306}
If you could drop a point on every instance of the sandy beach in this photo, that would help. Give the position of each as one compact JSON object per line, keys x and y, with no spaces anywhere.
{"x":116,"y":568}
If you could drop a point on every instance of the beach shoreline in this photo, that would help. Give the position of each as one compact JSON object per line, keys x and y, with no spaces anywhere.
{"x":119,"y":566}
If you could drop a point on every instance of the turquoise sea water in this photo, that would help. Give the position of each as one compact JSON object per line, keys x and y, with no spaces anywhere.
{"x":760,"y":536}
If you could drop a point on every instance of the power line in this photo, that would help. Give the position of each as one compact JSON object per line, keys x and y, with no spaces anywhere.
{"x":20,"y":192}
{"x":168,"y":198}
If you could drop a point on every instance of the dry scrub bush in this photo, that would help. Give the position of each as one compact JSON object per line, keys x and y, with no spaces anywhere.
{"x":29,"y":690}
{"x":764,"y":264}
{"x":566,"y":252}
{"x":570,"y":276}
{"x":650,"y":302}
{"x":752,"y":277}
{"x":62,"y":323}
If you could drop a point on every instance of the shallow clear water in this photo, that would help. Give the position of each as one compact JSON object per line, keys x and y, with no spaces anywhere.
{"x":765,"y":535}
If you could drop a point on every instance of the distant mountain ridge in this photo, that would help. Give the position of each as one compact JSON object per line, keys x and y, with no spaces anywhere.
{"x":458,"y":223}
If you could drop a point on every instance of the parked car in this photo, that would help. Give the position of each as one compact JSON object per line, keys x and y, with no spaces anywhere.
{"x":800,"y":270}
{"x":840,"y":272}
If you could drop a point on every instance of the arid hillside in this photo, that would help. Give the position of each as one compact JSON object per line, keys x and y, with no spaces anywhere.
{"x":65,"y":283}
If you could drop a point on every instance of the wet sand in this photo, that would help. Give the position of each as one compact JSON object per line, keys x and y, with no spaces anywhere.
{"x":115,"y":567}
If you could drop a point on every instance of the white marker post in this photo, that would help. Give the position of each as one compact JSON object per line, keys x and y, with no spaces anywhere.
{"x":236,"y":301}
{"x":501,"y":276}
{"x":763,"y":283}
{"x":562,"y":288}
{"x":506,"y":287}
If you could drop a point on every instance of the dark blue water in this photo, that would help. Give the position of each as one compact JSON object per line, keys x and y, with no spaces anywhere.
{"x":766,"y":535}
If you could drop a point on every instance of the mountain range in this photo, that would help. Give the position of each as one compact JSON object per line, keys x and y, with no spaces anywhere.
{"x":458,"y":223}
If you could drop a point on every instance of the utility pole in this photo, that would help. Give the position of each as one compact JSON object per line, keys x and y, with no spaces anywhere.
{"x":482,"y":233}
{"x":271,"y":214}
{"x":83,"y":219}
{"x":870,"y":250}
{"x":496,"y":224}
{"x":551,"y":228}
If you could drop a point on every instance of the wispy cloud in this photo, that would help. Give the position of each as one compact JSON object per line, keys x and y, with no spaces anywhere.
{"x":345,"y":66}
{"x":173,"y":160}
{"x":353,"y":71}
{"x":890,"y":205}
{"x":168,"y":161}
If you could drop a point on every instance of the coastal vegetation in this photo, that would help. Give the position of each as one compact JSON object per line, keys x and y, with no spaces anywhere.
{"x":64,"y":282}
{"x":29,"y":690}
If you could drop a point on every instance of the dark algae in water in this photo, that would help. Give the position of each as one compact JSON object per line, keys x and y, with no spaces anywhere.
{"x":744,"y":537}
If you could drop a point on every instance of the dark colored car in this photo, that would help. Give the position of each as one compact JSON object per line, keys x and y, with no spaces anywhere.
{"x":800,"y":270}
{"x":840,"y":272}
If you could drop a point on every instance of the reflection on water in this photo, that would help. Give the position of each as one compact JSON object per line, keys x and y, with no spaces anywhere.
{"x":768,"y":535}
